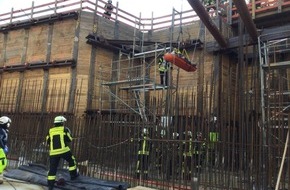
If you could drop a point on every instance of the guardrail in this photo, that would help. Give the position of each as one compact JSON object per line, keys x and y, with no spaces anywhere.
{"x":143,"y":24}
{"x":98,"y":7}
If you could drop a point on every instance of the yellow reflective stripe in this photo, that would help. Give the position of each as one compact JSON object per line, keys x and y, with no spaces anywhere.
{"x":143,"y":147}
{"x":3,"y":160}
{"x":187,"y":154}
{"x":52,"y":177}
{"x":69,"y":136}
{"x":143,"y":152}
{"x":72,"y":168}
{"x":59,"y":151}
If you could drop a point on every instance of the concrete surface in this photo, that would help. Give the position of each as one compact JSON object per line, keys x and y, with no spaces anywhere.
{"x":13,"y":184}
{"x":140,"y":188}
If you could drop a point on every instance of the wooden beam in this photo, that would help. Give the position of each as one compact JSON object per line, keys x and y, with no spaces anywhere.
{"x":245,"y":15}
{"x":208,"y":22}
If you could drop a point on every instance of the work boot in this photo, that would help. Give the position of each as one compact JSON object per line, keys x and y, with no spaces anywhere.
{"x":73,"y":177}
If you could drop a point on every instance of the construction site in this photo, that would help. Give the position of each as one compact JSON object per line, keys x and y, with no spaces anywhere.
{"x":221,"y":125}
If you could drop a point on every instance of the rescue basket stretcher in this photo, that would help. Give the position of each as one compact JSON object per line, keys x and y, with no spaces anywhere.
{"x":180,"y":62}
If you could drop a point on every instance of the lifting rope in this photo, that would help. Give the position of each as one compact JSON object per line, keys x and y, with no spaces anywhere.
{"x":193,"y":53}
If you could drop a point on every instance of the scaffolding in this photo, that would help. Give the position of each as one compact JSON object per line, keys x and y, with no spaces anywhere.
{"x":137,"y":75}
{"x":275,"y":99}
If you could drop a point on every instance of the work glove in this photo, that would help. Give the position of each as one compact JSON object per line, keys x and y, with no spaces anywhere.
{"x":6,"y":150}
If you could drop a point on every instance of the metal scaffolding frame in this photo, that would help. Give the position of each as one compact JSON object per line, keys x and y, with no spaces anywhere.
{"x":275,"y":100}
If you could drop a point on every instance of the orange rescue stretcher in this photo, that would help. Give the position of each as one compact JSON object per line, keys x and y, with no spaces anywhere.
{"x":180,"y":62}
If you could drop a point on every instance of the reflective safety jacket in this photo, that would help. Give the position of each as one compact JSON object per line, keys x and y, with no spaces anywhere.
{"x":144,"y":146}
{"x":213,"y":139}
{"x":3,"y":160}
{"x":58,"y":139}
{"x":188,"y":148}
{"x":163,"y":65}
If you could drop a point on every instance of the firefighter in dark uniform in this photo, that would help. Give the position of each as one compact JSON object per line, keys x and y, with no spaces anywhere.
{"x":4,"y":128}
{"x":158,"y":151}
{"x":143,"y":155}
{"x":187,"y":155}
{"x":58,"y":139}
{"x":213,"y":141}
{"x":199,"y":151}
{"x":175,"y":157}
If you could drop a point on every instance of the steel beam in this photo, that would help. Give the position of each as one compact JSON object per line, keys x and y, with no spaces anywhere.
{"x":208,"y":22}
{"x":247,"y":19}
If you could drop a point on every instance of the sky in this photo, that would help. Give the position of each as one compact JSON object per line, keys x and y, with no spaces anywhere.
{"x":135,"y":7}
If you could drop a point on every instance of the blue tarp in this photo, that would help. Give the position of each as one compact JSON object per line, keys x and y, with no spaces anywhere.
{"x":37,"y":174}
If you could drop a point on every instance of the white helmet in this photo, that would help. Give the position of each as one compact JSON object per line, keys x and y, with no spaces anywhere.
{"x":4,"y":120}
{"x":175,"y":135}
{"x":145,"y":131}
{"x":59,"y":119}
{"x":189,"y":133}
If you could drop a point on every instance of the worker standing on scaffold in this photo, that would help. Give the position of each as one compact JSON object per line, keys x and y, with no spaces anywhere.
{"x":108,"y":9}
{"x":163,"y":71}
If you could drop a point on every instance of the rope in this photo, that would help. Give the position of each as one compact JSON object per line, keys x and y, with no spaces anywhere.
{"x":193,"y":54}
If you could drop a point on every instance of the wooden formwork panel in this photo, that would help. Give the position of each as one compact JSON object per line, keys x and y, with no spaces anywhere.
{"x":58,"y":89}
{"x":103,"y":74}
{"x":37,"y":43}
{"x":288,"y":74}
{"x":126,"y":32}
{"x":2,"y":50}
{"x":105,"y":28}
{"x":84,"y":56}
{"x":9,"y":86}
{"x":63,"y":39}
{"x":81,"y":94}
{"x":15,"y":46}
{"x":32,"y":91}
{"x":86,"y":22}
{"x":104,"y":63}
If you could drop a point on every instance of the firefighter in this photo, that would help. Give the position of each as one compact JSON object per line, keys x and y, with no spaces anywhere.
{"x":4,"y":129}
{"x":163,"y":71}
{"x":175,"y":156}
{"x":187,"y":155}
{"x":158,"y":151}
{"x":58,"y":140}
{"x":143,"y":155}
{"x":199,"y":151}
{"x":213,"y":140}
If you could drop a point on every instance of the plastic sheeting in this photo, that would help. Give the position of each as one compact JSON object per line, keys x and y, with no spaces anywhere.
{"x":37,"y":174}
